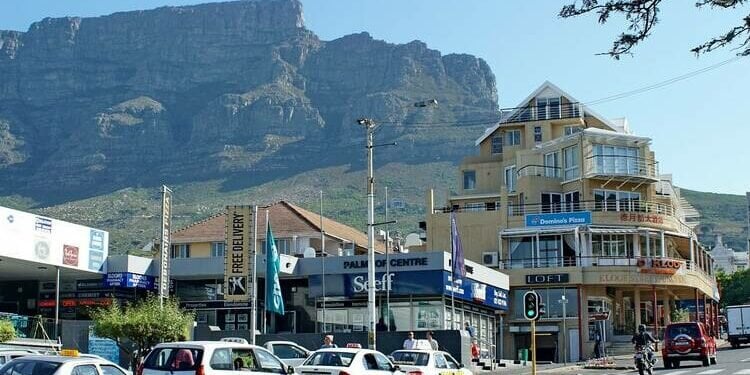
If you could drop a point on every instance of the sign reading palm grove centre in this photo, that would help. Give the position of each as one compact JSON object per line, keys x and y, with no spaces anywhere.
{"x":237,"y":264}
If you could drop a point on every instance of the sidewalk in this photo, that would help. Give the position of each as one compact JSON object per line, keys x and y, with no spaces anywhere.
{"x":521,"y":369}
{"x":625,"y":362}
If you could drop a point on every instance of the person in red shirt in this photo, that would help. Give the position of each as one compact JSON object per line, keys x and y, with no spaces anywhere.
{"x":474,"y":349}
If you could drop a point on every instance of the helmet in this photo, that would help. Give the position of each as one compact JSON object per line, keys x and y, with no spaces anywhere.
{"x":641,"y":328}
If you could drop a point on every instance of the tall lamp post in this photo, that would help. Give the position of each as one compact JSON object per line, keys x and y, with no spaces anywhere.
{"x":370,"y":126}
{"x":564,"y":302}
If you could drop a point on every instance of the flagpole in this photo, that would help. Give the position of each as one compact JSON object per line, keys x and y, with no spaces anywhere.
{"x":265,"y":293}
{"x":323,"y":254}
{"x":254,"y":301}
{"x":453,"y":279}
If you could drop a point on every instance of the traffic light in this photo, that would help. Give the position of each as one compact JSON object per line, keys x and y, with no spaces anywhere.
{"x":542,"y":311}
{"x":531,"y":305}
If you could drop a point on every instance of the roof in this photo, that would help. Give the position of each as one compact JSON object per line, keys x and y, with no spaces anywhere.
{"x":287,"y":220}
{"x":204,"y":344}
{"x":547,"y":85}
{"x":55,"y":358}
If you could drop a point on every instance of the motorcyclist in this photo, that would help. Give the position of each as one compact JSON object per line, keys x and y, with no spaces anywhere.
{"x":644,"y":339}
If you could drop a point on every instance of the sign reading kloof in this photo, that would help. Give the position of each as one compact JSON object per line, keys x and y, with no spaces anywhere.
{"x":558,"y":219}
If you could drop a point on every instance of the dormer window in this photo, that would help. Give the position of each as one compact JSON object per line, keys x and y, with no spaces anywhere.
{"x":547,"y":108}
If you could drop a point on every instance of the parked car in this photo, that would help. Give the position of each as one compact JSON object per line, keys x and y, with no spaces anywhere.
{"x":7,"y":355}
{"x":291,"y":353}
{"x":210,"y":358}
{"x":428,"y":362}
{"x":348,"y":361}
{"x":688,"y":342}
{"x":738,"y":325}
{"x":60,"y":365}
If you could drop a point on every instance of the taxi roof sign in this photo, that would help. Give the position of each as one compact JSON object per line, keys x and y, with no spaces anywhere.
{"x":354,"y":345}
{"x":69,"y":353}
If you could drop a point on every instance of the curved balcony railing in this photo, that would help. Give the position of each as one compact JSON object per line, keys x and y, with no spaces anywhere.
{"x":597,"y":261}
{"x":623,"y":205}
{"x":539,"y":171}
{"x":621,"y":165}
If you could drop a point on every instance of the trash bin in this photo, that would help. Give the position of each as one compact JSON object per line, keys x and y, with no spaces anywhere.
{"x":523,"y":355}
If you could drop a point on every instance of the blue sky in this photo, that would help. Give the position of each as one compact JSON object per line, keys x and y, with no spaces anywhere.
{"x":699,"y":126}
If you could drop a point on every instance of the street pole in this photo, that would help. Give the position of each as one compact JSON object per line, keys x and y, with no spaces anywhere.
{"x":564,"y":302}
{"x":533,"y":347}
{"x":57,"y":303}
{"x":323,"y":254}
{"x":369,"y":125}
{"x":387,"y":268}
{"x":254,"y":278}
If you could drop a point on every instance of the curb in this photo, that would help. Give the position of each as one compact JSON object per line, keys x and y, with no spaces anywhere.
{"x":609,"y":367}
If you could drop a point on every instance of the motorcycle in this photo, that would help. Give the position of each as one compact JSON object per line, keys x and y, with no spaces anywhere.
{"x":642,"y":362}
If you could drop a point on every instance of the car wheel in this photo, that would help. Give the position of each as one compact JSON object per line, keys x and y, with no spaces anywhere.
{"x":706,"y":361}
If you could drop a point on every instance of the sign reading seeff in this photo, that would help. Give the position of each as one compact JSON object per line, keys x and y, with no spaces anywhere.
{"x":558,"y":219}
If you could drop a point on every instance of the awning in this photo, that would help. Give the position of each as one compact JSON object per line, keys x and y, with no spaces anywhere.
{"x":614,"y":230}
{"x":519,"y":232}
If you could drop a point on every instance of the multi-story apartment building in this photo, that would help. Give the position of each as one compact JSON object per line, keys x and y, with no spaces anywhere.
{"x":726,"y":259}
{"x":572,"y":205}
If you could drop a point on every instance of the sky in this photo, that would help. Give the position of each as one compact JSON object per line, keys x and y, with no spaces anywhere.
{"x":699,"y":126}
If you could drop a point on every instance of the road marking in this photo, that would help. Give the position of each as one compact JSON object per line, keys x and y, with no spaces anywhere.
{"x":711,"y":372}
{"x":745,"y":360}
{"x":743,"y":372}
{"x":677,"y":372}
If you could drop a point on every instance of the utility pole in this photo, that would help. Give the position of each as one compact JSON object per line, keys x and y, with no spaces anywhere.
{"x":564,"y":302}
{"x":369,"y":125}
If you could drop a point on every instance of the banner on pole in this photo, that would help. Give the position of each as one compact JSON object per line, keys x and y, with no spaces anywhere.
{"x":237,"y":253}
{"x":166,"y":228}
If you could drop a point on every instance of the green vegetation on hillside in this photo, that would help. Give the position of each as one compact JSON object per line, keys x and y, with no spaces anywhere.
{"x":724,"y":214}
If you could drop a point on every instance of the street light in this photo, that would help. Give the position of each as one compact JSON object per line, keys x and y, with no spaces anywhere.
{"x":564,"y":302}
{"x":370,"y":126}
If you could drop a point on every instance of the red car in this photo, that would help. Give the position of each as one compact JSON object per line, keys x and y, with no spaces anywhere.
{"x":688,"y":342}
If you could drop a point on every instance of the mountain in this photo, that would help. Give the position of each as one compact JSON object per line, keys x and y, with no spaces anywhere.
{"x":724,"y":214}
{"x":240,"y":91}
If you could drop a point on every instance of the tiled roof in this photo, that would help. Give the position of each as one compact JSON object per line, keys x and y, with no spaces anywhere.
{"x":286,"y":220}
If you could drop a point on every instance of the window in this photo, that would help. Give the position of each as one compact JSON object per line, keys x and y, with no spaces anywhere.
{"x":548,"y":108}
{"x":510,"y":178}
{"x":570,"y":156}
{"x":552,"y":298}
{"x":572,"y":130}
{"x":383,"y":363}
{"x":470,"y":180}
{"x":552,"y":164}
{"x":497,"y":145}
{"x":174,"y":359}
{"x":549,"y":251}
{"x":20,"y":367}
{"x":283,"y":246}
{"x":222,"y":359}
{"x":514,"y":137}
{"x":521,"y":252}
{"x":572,"y":201}
{"x":452,"y":363}
{"x":612,"y":245}
{"x":551,"y":202}
{"x":217,"y":249}
{"x":267,"y":362}
{"x":84,"y":370}
{"x":411,"y":358}
{"x":111,"y":370}
{"x":440,"y":361}
{"x":615,"y":200}
{"x":537,"y":134}
{"x":473,"y":207}
{"x":181,"y":251}
{"x":492,"y":206}
{"x":617,"y":160}
{"x":336,"y":359}
{"x":285,"y":351}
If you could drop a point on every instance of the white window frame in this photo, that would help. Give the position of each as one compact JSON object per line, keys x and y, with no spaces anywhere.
{"x":180,"y":251}
{"x":215,"y":253}
{"x":474,"y":207}
{"x":463,"y":179}
{"x":568,"y":201}
{"x":510,"y":185}
{"x":551,"y":208}
{"x":572,"y":129}
{"x":514,"y":137}
{"x":619,"y":195}
{"x":552,"y":170}
{"x":571,"y":171}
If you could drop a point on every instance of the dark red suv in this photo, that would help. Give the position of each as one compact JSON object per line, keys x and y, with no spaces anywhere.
{"x":688,"y":342}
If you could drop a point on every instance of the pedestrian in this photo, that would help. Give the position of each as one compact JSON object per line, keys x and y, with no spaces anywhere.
{"x":381,"y":327}
{"x":410,"y":343}
{"x":432,"y":341}
{"x":328,"y":342}
{"x":474,"y":349}
{"x":472,"y":332}
{"x":597,"y":345}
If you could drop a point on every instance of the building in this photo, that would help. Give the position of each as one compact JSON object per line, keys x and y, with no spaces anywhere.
{"x":726,"y":259}
{"x":417,"y":285}
{"x":572,"y":205}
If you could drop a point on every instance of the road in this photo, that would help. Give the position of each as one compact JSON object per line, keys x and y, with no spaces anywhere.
{"x":729,"y":362}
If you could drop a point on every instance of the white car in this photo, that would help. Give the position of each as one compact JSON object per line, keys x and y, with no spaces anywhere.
{"x":348,"y":361}
{"x":288,"y":352}
{"x":7,"y":355}
{"x":59,"y":365}
{"x":428,"y":362}
{"x":210,"y":358}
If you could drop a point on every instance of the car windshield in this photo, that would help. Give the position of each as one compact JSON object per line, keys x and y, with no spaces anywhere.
{"x":29,"y":368}
{"x":690,"y":330}
{"x":411,"y":358}
{"x":335,"y":359}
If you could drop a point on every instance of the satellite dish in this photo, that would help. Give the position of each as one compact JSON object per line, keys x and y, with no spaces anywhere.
{"x":309,"y":253}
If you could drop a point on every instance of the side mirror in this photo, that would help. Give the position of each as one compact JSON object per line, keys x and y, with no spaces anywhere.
{"x":460,"y":365}
{"x":395,"y":368}
{"x":290,"y":370}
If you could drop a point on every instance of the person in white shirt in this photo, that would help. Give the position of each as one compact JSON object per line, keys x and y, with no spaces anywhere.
{"x":432,"y":341}
{"x":410,"y":343}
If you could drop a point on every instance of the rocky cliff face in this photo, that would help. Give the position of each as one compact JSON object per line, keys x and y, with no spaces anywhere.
{"x":88,"y":105}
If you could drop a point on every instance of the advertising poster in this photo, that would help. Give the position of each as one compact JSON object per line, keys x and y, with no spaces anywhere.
{"x":236,"y":262}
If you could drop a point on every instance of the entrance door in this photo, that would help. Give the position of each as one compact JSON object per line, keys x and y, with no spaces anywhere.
{"x":573,"y":342}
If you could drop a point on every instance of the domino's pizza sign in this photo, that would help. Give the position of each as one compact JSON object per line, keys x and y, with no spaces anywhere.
{"x":559,"y":219}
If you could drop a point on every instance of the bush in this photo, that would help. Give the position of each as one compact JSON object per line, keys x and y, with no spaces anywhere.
{"x":7,"y":332}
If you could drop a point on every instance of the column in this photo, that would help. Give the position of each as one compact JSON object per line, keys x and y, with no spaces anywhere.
{"x":637,"y":302}
{"x":663,"y":246}
{"x":697,"y":307}
{"x":621,"y":311}
{"x":655,"y":311}
{"x":583,"y":316}
{"x":692,"y":254}
{"x":667,"y":308}
{"x":648,"y":244}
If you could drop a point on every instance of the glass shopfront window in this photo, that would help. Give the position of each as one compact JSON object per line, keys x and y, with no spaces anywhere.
{"x":551,"y":298}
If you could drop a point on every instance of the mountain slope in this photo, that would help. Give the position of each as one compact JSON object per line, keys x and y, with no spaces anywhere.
{"x":724,"y":214}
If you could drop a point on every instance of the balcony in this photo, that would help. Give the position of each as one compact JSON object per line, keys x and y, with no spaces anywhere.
{"x":629,"y":212}
{"x":534,"y":170}
{"x":542,"y":113}
{"x":621,"y":168}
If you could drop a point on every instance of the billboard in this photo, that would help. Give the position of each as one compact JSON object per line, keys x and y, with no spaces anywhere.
{"x":41,"y":239}
{"x":237,"y":253}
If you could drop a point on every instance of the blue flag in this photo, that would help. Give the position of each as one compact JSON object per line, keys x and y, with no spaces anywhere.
{"x":457,"y":250}
{"x":274,"y":300}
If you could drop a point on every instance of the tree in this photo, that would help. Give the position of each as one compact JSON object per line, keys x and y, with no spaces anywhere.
{"x":643,"y":15}
{"x":735,"y":288}
{"x":136,"y":328}
{"x":7,"y":331}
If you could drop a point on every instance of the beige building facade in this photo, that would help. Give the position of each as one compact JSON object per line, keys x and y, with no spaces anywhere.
{"x":572,"y":205}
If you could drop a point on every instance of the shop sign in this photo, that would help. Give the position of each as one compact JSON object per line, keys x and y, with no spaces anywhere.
{"x":470,"y":290}
{"x":237,"y":262}
{"x":642,"y":218}
{"x":214,"y":305}
{"x":420,"y":261}
{"x":599,"y":315}
{"x":360,"y":283}
{"x":129,"y":280}
{"x":665,"y":266}
{"x":89,"y":284}
{"x":558,"y":219}
{"x":552,"y":278}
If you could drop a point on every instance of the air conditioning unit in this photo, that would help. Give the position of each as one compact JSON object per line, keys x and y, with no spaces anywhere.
{"x":489,"y":259}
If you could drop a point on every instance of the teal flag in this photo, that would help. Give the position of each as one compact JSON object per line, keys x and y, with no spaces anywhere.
{"x":274,"y":300}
